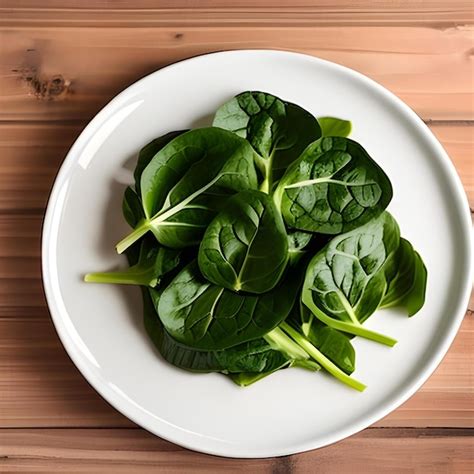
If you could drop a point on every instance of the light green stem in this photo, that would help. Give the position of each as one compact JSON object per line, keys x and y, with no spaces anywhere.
{"x":279,"y":341}
{"x":142,"y":228}
{"x":125,"y":277}
{"x":322,"y":359}
{"x":351,"y":328}
{"x":266,"y":167}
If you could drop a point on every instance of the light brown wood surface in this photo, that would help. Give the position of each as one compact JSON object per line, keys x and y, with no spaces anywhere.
{"x":60,"y":62}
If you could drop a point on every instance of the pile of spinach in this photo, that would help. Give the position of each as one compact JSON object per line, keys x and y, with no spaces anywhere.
{"x":263,"y":242}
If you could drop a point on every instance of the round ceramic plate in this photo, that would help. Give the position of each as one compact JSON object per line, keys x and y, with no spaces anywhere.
{"x":292,"y":410}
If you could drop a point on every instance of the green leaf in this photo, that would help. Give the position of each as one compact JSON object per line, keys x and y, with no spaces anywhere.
{"x":298,"y":245}
{"x":132,"y":207}
{"x":399,"y":274}
{"x":148,"y":152}
{"x":245,"y":247}
{"x":186,"y":180}
{"x":334,"y":127}
{"x":205,"y":316}
{"x":334,"y":187}
{"x":335,"y":345}
{"x":244,"y":379}
{"x":255,"y":356}
{"x":154,"y":261}
{"x":415,"y":298}
{"x":406,"y":277}
{"x":256,"y":116}
{"x":278,"y":131}
{"x":321,"y":359}
{"x":345,"y":282}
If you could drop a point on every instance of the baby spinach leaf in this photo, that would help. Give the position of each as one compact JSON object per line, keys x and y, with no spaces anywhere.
{"x":183,"y":182}
{"x":154,"y":261}
{"x":345,"y":282}
{"x":294,"y":332}
{"x":245,"y":247}
{"x":278,"y":131}
{"x":254,"y":356}
{"x":257,"y":116}
{"x":399,"y":274}
{"x":148,"y":152}
{"x":205,"y":316}
{"x":244,"y":379}
{"x":334,"y":127}
{"x":406,"y":278}
{"x":132,"y":207}
{"x":334,"y":187}
{"x":332,"y":343}
{"x":415,"y":298}
{"x":335,"y":345}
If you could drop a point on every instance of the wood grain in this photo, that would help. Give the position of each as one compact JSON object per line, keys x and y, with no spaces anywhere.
{"x":410,"y":7}
{"x":57,"y":73}
{"x":129,"y":450}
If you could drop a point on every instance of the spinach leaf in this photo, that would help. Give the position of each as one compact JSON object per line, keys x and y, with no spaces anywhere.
{"x":254,"y":356}
{"x":415,"y":298}
{"x":334,"y":187}
{"x":334,"y":127}
{"x":186,"y":179}
{"x":294,"y":332}
{"x":154,"y":261}
{"x":406,"y":278}
{"x":345,"y":282}
{"x":298,"y":243}
{"x":257,"y":116}
{"x":278,"y":131}
{"x":205,"y":316}
{"x":245,"y":247}
{"x":148,"y":152}
{"x":132,"y":207}
{"x":335,"y":345}
{"x":244,"y":379}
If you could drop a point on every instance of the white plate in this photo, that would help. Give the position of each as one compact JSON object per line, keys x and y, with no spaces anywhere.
{"x":292,"y":410}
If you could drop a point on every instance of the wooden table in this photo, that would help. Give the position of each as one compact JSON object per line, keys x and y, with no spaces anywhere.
{"x":60,"y":63}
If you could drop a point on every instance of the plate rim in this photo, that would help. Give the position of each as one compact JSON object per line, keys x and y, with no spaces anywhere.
{"x":120,"y":403}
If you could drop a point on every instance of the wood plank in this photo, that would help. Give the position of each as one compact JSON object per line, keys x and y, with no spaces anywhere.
{"x":411,"y":6}
{"x":56,"y":73}
{"x":185,"y":15}
{"x":458,"y":141}
{"x":40,"y":387}
{"x":32,"y":153}
{"x":130,"y":450}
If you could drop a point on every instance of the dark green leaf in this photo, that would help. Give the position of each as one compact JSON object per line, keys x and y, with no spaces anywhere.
{"x":254,"y":356}
{"x":406,"y":277}
{"x":345,"y":282}
{"x":245,"y":247}
{"x":415,"y":298}
{"x":183,"y":182}
{"x":335,"y":345}
{"x":148,"y":152}
{"x":278,"y":131}
{"x":298,"y":245}
{"x":132,"y":207}
{"x":206,"y":316}
{"x":334,"y":187}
